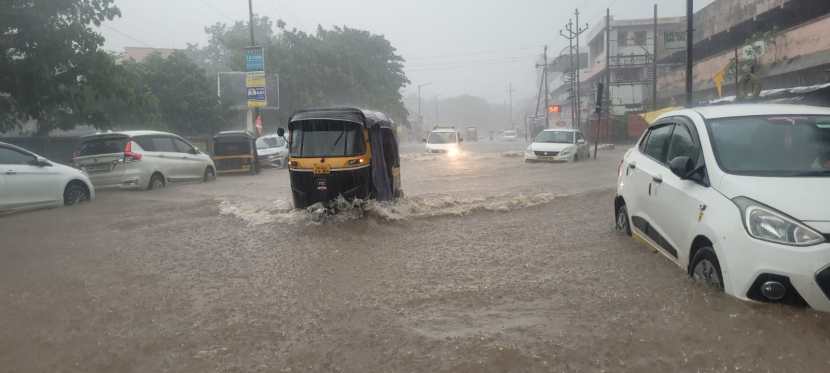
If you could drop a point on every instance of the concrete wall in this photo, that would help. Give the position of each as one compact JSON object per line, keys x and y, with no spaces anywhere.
{"x":790,"y":45}
{"x":721,"y":15}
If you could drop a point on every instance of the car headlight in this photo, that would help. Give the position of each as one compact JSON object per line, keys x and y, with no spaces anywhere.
{"x":765,"y":223}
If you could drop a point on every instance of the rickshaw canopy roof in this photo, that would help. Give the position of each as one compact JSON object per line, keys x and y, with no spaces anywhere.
{"x":366,"y":118}
{"x":234,"y":136}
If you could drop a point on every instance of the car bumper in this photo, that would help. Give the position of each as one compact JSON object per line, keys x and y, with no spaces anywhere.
{"x":531,"y":157}
{"x":806,"y":268}
{"x":273,"y":161}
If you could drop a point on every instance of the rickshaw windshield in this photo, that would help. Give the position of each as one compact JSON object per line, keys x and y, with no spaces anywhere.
{"x":229,"y":148}
{"x":326,"y":138}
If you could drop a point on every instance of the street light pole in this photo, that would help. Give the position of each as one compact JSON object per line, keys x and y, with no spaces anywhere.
{"x":420,"y":116}
{"x":690,"y":57}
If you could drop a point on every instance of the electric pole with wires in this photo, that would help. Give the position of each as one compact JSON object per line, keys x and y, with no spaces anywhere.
{"x":572,"y":32}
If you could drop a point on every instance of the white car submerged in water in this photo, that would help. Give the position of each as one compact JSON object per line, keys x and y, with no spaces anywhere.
{"x":558,"y":145}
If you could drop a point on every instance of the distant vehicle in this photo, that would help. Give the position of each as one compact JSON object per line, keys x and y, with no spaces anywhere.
{"x":342,"y":152}
{"x":444,"y":140}
{"x":235,"y":152}
{"x":558,"y":145}
{"x":141,"y":160}
{"x":510,"y":135}
{"x":272,"y":151}
{"x":471,"y":134}
{"x":28,"y":180}
{"x":737,"y":196}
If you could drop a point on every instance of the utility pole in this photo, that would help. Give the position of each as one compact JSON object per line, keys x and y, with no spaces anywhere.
{"x":436,"y":111}
{"x":573,"y":31}
{"x":607,"y":82}
{"x":547,"y":92}
{"x":690,"y":56}
{"x":571,"y":76}
{"x":510,"y":112}
{"x":420,"y":116}
{"x":254,"y":115}
{"x":737,"y":79}
{"x":654,"y":64}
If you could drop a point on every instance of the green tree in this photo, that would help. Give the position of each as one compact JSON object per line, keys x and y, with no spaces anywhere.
{"x":340,"y":66}
{"x":185,"y":96}
{"x":53,"y":70}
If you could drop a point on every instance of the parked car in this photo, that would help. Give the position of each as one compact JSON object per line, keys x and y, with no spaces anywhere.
{"x":273,"y":151}
{"x":510,"y":135}
{"x":28,"y":180}
{"x":558,"y":145}
{"x":141,"y":159}
{"x":737,"y":196}
{"x":445,"y":140}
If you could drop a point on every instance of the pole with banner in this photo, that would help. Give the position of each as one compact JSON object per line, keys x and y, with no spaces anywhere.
{"x":255,"y":81}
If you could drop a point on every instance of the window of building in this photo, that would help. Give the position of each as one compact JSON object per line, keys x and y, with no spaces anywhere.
{"x":640,"y":38}
{"x":622,"y":38}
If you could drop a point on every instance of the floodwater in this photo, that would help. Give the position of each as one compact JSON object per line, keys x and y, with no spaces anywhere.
{"x":487,"y":265}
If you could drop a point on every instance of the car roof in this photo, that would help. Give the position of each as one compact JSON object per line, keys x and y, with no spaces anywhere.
{"x":561,"y":130}
{"x":750,"y":109}
{"x":445,"y":130}
{"x":130,"y":133}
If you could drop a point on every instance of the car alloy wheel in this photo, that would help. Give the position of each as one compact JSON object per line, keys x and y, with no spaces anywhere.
{"x":622,"y":220}
{"x":706,"y":268}
{"x":75,"y":194}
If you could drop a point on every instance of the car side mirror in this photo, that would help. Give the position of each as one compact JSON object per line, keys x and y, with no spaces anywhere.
{"x":281,"y":132}
{"x":195,"y":151}
{"x":40,"y":162}
{"x":682,"y":166}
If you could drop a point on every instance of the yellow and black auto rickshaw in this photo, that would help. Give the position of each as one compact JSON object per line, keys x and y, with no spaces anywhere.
{"x":346,"y":152}
{"x":235,"y":152}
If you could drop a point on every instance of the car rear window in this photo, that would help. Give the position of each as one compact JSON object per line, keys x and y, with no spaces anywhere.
{"x":102,"y":145}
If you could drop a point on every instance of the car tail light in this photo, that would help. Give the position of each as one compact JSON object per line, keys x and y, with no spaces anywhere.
{"x":129,"y":154}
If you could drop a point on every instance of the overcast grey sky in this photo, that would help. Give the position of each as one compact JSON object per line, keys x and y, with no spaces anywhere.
{"x":471,"y":47}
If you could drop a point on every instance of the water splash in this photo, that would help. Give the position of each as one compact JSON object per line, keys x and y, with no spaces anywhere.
{"x":418,"y":207}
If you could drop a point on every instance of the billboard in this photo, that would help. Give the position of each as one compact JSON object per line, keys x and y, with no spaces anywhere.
{"x":255,"y":82}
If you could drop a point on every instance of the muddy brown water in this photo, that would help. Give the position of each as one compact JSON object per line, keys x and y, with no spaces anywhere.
{"x":488,"y":265}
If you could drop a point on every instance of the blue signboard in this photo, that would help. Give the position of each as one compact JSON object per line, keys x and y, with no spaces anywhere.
{"x":254,"y":59}
{"x":257,"y":97}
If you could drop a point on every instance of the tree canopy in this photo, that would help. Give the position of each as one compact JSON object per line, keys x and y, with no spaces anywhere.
{"x":51,"y":67}
{"x":340,"y":66}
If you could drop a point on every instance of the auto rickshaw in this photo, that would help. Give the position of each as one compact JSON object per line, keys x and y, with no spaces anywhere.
{"x":235,"y":152}
{"x":346,"y":152}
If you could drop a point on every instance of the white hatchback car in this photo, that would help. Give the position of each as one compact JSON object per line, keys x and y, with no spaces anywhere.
{"x":444,"y":140}
{"x":558,"y":145}
{"x":141,"y":159}
{"x":738,"y":196}
{"x":28,"y":180}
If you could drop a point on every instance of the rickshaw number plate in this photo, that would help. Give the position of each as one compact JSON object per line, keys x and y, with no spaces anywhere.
{"x":322,"y":169}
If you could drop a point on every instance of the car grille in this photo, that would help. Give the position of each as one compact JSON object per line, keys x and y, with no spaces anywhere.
{"x":547,"y":154}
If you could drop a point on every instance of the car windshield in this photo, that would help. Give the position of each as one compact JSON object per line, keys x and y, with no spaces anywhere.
{"x":106,"y":145}
{"x":326,"y":138}
{"x":269,"y":142}
{"x":442,"y":138}
{"x":555,"y":137}
{"x":791,"y":145}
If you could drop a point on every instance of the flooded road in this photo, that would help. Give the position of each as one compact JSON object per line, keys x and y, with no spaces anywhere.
{"x":488,"y":265}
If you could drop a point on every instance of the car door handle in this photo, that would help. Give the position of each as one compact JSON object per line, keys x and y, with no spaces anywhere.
{"x":11,"y":172}
{"x":657,"y":179}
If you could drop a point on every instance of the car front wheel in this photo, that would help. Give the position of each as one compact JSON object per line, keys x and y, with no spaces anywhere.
{"x":705,"y":268}
{"x":75,"y":193}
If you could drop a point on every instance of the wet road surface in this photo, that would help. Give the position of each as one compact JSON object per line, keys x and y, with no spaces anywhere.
{"x":488,"y":265}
